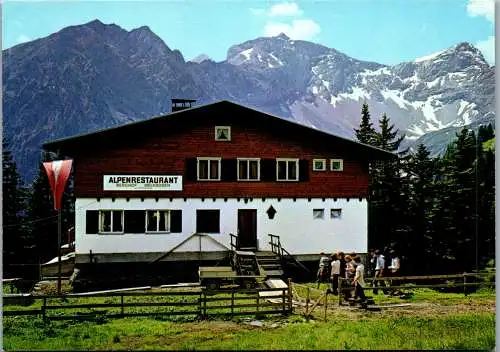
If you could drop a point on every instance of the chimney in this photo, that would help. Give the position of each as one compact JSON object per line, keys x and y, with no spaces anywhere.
{"x":181,"y":104}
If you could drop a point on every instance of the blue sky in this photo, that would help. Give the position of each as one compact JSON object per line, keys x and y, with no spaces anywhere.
{"x":384,"y":31}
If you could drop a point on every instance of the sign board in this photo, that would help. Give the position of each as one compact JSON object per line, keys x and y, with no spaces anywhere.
{"x":142,"y":183}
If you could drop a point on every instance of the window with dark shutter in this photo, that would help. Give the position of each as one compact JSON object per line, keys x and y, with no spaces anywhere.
{"x":229,"y":168}
{"x":135,"y":221}
{"x":268,"y":170}
{"x":190,"y":169}
{"x":303,"y":170}
{"x":92,"y":222}
{"x":176,"y":221}
{"x":208,"y":221}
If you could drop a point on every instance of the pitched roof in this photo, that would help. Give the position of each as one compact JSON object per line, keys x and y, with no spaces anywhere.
{"x":75,"y":142}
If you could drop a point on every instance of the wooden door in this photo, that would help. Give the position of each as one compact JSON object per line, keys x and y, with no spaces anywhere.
{"x":247,"y":228}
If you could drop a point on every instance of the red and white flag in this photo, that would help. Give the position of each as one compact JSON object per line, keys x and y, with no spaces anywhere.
{"x":58,"y":173}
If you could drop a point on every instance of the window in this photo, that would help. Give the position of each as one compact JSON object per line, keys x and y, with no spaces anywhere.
{"x":157,"y":221}
{"x":336,"y":164}
{"x":111,"y":221}
{"x":222,"y":133}
{"x":287,"y":169}
{"x":319,"y":165}
{"x":209,"y":169}
{"x":335,"y":213}
{"x":318,"y":213}
{"x":208,"y":221}
{"x":248,"y":169}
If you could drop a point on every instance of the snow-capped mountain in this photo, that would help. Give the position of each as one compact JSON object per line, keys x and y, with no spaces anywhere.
{"x":94,"y":76}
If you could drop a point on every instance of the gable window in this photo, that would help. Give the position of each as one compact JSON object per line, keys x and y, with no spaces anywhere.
{"x":335,"y":213}
{"x":111,"y":221}
{"x":248,"y":169}
{"x":208,"y":221}
{"x":287,"y":169}
{"x":209,"y":169}
{"x":336,"y":164}
{"x":318,"y":213}
{"x":319,"y":165}
{"x":222,"y":133}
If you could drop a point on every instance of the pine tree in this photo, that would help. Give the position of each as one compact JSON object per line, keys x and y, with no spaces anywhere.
{"x":13,"y":206}
{"x":418,"y":181}
{"x":366,"y":133}
{"x":455,"y":211}
{"x":388,"y":200}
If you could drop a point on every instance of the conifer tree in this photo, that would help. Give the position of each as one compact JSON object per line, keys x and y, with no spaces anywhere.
{"x":13,"y":206}
{"x":366,"y":133}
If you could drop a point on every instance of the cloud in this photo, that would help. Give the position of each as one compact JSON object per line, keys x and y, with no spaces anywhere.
{"x":257,"y":12}
{"x":484,"y":8}
{"x":285,"y":9}
{"x":487,"y":47}
{"x":23,"y":39}
{"x":299,"y":29}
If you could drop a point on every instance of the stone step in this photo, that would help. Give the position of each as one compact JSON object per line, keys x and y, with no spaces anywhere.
{"x":275,"y":273}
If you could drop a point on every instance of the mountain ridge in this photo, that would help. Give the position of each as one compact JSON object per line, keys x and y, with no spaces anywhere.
{"x":97,"y":75}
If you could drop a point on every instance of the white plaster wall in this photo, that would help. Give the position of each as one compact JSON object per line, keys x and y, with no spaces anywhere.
{"x":293,"y":222}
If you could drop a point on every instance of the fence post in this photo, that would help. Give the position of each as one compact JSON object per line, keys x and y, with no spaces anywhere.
{"x":290,"y":295}
{"x":123,"y":308}
{"x":326,"y":303}
{"x":340,"y":291}
{"x":307,"y":302}
{"x":465,"y":282}
{"x":232,"y":301}
{"x":284,"y":301}
{"x":44,"y":316}
{"x":204,"y":304}
{"x":200,"y":308}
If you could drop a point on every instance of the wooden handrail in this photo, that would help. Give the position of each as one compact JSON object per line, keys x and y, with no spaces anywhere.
{"x":281,"y":251}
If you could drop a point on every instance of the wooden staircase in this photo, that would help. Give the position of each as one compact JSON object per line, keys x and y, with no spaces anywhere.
{"x":271,"y":263}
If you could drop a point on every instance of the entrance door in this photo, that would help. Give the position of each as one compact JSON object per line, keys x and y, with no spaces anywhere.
{"x":247,"y":228}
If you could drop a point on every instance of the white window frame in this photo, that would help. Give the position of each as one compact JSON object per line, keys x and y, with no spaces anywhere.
{"x":101,"y":230}
{"x":167,"y":223}
{"x":322,"y":214}
{"x":336,"y":217}
{"x":228,"y":128}
{"x":296,"y":160}
{"x":319,"y":160}
{"x":219,"y":160}
{"x":247,"y":179}
{"x":337,"y":160}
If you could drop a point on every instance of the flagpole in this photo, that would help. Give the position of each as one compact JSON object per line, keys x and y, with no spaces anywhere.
{"x":59,"y":251}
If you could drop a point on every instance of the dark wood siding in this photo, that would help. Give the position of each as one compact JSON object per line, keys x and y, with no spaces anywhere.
{"x":175,"y":154}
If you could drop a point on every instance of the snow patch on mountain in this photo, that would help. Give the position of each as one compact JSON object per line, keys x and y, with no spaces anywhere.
{"x":428,"y":57}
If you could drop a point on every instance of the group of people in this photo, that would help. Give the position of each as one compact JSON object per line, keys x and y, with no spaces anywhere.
{"x":350,"y":267}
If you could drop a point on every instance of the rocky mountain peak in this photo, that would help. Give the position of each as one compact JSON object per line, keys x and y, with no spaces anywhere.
{"x":283,"y":36}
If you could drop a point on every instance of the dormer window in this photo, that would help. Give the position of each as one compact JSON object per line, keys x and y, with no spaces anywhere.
{"x":222,"y":133}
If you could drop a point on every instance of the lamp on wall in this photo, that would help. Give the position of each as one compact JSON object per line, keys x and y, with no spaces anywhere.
{"x":271,"y":212}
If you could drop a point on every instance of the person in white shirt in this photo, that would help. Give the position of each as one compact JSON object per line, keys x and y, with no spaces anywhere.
{"x":379,"y":270}
{"x":324,"y":263}
{"x":394,"y":270}
{"x":335,"y":273}
{"x":359,"y":280}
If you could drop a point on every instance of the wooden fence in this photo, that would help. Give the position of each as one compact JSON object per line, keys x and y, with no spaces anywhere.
{"x":200,"y":304}
{"x":387,"y":282}
{"x":307,"y":298}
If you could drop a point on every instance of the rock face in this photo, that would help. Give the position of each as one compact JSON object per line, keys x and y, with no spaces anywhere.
{"x":93,"y":76}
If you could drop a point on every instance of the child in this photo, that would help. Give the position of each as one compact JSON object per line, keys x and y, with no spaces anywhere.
{"x":335,"y":273}
{"x":359,"y":280}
